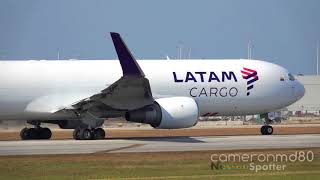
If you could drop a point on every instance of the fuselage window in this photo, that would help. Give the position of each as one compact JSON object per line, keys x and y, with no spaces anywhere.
{"x":291,"y":77}
{"x":281,"y":78}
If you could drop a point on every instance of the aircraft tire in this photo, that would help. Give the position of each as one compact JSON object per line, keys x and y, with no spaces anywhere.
{"x":24,"y":134}
{"x":33,"y":133}
{"x":86,"y":134}
{"x":99,"y":134}
{"x":266,"y":130}
{"x":44,"y":133}
{"x":76,"y":134}
{"x":269,"y":130}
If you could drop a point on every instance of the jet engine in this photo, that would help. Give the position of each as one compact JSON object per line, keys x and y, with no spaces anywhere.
{"x":167,"y":113}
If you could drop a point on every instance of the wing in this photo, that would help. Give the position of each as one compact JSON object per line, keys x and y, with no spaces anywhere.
{"x":131,"y":91}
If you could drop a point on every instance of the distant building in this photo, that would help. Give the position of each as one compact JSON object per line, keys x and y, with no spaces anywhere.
{"x":310,"y":102}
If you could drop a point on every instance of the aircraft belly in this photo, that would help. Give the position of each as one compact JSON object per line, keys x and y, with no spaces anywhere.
{"x":234,"y":106}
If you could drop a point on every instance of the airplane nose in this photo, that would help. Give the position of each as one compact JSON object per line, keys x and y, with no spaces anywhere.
{"x":300,"y":90}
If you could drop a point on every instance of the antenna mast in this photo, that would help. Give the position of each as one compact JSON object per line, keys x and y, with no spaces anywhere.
{"x":317,"y":57}
{"x":189,"y":53}
{"x":249,"y":50}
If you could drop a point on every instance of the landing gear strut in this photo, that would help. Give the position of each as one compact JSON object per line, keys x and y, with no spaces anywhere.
{"x":89,"y":134}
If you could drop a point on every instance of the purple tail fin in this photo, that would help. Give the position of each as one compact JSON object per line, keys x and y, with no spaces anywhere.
{"x":129,"y":65}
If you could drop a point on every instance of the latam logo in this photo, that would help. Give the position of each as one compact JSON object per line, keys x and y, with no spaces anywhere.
{"x":250,"y":76}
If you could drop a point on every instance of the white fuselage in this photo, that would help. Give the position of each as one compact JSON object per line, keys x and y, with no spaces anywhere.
{"x":218,"y":86}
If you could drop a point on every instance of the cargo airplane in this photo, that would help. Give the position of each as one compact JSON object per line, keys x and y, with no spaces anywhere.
{"x":167,"y":94}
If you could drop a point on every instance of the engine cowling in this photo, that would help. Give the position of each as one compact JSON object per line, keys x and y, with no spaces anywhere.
{"x":167,"y":113}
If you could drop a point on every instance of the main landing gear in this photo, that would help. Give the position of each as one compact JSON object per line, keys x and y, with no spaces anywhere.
{"x":89,"y":134}
{"x":35,"y":133}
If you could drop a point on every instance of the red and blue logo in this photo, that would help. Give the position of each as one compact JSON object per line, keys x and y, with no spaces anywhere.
{"x":250,"y":76}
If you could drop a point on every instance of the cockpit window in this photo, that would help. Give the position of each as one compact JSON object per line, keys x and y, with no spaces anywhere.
{"x":291,"y":77}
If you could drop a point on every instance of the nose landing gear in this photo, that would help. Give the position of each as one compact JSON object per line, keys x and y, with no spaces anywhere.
{"x":266,"y":130}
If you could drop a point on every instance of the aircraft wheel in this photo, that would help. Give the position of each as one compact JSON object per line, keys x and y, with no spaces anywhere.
{"x":99,"y":133}
{"x":86,"y":134}
{"x":269,"y":130}
{"x":76,"y":134}
{"x":25,"y":134}
{"x":262,"y":130}
{"x":44,"y":133}
{"x":266,"y":130}
{"x":33,"y":133}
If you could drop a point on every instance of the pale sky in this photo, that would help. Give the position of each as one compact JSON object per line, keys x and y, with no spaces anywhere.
{"x":282,"y":31}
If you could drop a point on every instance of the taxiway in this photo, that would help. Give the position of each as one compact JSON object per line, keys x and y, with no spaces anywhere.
{"x":158,"y":144}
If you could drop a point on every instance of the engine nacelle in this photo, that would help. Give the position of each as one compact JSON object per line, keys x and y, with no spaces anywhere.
{"x":167,"y":113}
